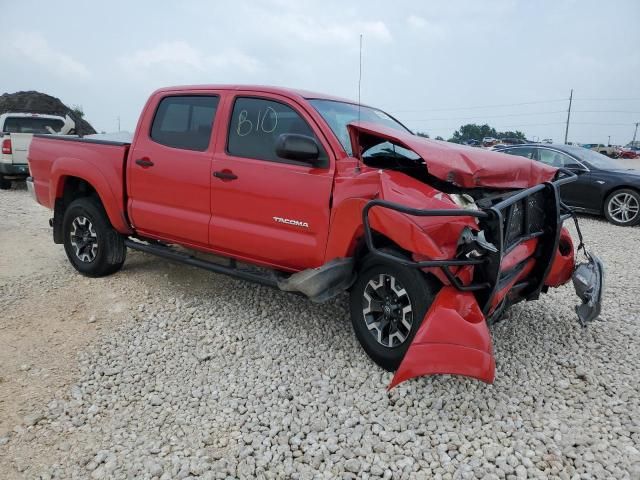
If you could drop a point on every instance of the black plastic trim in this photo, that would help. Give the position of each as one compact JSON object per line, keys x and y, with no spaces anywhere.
{"x":169,"y":254}
{"x":83,"y":140}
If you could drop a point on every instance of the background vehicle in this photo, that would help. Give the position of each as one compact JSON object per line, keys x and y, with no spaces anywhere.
{"x":608,"y":150}
{"x":604,"y":186}
{"x":17,"y":130}
{"x":328,"y":196}
{"x":627,"y":153}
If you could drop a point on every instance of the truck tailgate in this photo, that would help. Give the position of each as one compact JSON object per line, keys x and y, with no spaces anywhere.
{"x":20,"y":145}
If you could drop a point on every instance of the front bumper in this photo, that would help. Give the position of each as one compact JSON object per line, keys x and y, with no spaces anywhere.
{"x":13,"y":171}
{"x":525,"y":229}
{"x":529,"y":220}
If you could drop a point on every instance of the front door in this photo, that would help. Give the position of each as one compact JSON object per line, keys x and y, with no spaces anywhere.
{"x":264,"y":208}
{"x":169,"y":171}
{"x":572,"y":193}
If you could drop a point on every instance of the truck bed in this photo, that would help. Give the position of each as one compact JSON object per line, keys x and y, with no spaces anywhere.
{"x":54,"y":160}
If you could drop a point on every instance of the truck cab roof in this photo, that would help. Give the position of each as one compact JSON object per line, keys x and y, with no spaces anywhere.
{"x":292,"y":93}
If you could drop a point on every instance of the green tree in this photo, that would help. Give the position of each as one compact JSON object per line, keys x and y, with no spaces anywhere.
{"x":422,"y":134}
{"x":439,"y":138}
{"x":472,"y":131}
{"x":77,"y":109}
{"x":509,"y":134}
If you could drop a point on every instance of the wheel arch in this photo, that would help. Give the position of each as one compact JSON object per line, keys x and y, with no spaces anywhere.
{"x":69,"y":188}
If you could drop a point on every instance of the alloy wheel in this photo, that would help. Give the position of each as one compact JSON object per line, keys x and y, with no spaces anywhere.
{"x":623,"y":207}
{"x":387,"y":310}
{"x":84,"y":239}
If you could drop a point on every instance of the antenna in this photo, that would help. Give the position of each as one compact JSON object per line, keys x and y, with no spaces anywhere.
{"x":359,"y":88}
{"x":360,"y":77}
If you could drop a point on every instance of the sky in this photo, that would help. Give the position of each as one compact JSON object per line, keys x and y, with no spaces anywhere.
{"x":435,"y":65}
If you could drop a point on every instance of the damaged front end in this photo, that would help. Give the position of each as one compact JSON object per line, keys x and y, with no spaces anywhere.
{"x":518,"y":250}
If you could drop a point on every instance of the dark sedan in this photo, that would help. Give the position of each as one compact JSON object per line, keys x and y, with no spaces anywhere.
{"x":605,"y":186}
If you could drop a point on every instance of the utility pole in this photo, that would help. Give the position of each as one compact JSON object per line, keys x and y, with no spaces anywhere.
{"x":566,"y":131}
{"x":609,"y":141}
{"x":118,"y":122}
{"x":633,"y":142}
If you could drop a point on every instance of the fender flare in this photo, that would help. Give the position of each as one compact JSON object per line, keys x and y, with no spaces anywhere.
{"x":65,"y":167}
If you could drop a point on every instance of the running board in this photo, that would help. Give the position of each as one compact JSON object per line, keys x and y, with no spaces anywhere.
{"x":269,"y":280}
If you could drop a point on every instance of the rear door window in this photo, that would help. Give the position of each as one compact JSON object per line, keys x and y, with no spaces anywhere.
{"x":527,"y":152}
{"x":557,"y":159}
{"x":185,"y":122}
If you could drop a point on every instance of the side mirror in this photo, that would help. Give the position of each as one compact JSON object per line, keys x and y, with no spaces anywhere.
{"x":301,"y":148}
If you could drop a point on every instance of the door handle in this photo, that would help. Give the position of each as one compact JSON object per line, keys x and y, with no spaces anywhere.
{"x":225,"y":175}
{"x":144,"y":162}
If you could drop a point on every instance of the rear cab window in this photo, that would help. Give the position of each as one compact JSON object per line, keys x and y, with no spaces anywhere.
{"x":257,"y":123}
{"x":185,"y":122}
{"x":32,"y":125}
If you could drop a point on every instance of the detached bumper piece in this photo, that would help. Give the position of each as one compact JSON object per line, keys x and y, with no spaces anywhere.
{"x":588,"y":280}
{"x":452,"y":339}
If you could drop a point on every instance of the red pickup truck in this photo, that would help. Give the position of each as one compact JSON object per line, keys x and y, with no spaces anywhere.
{"x":432,"y":240}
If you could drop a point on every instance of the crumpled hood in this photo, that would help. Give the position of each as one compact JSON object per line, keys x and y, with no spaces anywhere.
{"x":464,"y":166}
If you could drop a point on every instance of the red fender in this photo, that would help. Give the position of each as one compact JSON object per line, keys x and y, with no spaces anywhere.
{"x":452,"y":339}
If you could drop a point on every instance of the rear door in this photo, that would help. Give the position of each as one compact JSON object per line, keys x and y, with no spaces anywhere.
{"x":169,"y":170}
{"x":264,"y":208}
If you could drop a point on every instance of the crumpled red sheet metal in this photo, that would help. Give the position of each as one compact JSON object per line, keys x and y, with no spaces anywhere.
{"x":452,"y":339}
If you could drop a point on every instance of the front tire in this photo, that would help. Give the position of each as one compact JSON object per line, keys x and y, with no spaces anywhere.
{"x":93,"y":246}
{"x":622,"y":207}
{"x":388,"y":303}
{"x":5,"y":184}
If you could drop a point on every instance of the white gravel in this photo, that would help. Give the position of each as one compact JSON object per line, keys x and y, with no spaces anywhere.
{"x":210,"y":377}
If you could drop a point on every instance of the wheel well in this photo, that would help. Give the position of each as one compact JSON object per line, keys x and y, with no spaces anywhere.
{"x":380,"y":241}
{"x":72,"y":188}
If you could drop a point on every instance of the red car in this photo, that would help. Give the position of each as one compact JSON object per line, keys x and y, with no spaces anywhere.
{"x":430,"y":239}
{"x":627,"y":153}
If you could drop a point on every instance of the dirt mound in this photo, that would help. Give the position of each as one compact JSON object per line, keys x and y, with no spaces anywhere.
{"x":36,"y":102}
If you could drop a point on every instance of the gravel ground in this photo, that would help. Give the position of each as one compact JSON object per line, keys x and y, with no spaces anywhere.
{"x":181,"y":373}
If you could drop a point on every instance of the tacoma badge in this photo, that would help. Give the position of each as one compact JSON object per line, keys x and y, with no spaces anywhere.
{"x":288,"y":221}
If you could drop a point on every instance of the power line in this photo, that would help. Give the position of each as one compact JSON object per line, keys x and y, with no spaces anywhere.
{"x":479,"y":106}
{"x":605,"y":111}
{"x":600,"y":99}
{"x":485,"y":116}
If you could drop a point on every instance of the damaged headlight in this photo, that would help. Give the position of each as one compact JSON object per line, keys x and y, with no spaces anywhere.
{"x":474,"y":244}
{"x":464,"y":201}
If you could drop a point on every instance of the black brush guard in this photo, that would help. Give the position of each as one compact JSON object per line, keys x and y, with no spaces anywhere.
{"x":497,"y":221}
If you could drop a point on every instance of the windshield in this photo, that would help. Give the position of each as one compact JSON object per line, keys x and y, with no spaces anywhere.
{"x":596,"y":159}
{"x":339,"y":114}
{"x":32,"y":125}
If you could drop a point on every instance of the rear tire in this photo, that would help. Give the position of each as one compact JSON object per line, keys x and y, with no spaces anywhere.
{"x":92,"y":245}
{"x":622,"y":207}
{"x":5,"y":184}
{"x":388,"y":303}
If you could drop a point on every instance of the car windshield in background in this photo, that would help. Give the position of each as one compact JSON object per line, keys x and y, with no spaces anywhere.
{"x":596,"y":159}
{"x":32,"y":125}
{"x":339,"y":114}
